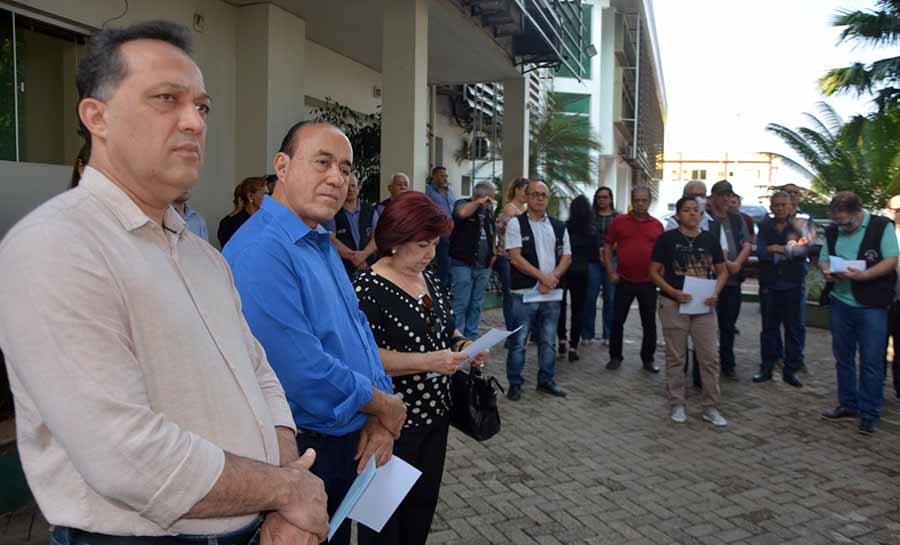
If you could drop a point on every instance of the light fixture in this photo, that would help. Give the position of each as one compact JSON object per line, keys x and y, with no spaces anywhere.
{"x":591,"y":51}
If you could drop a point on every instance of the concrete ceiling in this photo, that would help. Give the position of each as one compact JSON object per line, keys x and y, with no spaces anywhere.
{"x":459,"y":50}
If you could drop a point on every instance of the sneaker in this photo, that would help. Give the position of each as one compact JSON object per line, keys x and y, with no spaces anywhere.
{"x":866,"y":426}
{"x":678,"y":414}
{"x":712,"y":415}
{"x":605,"y":342}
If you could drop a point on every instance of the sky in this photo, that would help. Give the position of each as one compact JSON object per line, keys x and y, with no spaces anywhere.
{"x":733,"y":66}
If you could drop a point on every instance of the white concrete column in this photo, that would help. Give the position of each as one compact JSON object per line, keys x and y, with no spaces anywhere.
{"x":270,"y":88}
{"x":404,"y":70}
{"x":515,"y":128}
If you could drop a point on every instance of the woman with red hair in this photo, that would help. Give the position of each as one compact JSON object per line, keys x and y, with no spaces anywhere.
{"x":410,"y":314}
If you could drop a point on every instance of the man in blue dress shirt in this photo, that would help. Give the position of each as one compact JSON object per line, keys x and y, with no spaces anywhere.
{"x":439,"y":191}
{"x":301,"y":306}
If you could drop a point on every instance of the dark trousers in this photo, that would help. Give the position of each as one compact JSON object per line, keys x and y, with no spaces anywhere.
{"x":442,"y":255}
{"x":894,"y":331}
{"x":336,"y":467}
{"x":425,"y":449}
{"x":576,"y":288}
{"x":727,"y":311}
{"x":626,"y":293}
{"x":781,"y":308}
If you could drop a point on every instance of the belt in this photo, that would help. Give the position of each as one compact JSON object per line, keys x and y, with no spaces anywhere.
{"x":74,"y":536}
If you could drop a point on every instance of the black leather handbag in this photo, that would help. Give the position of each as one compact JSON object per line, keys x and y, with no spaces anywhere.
{"x":474,"y":404}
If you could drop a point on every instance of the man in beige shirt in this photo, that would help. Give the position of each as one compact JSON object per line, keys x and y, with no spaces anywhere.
{"x":146,"y":410}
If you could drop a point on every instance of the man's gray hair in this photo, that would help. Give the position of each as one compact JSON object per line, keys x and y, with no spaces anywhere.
{"x":399,"y":175}
{"x":483,"y":188}
{"x":639,"y":188}
{"x":779,"y":195}
{"x":689,"y":185}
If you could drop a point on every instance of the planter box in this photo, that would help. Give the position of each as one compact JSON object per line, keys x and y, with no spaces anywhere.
{"x":817,"y":316}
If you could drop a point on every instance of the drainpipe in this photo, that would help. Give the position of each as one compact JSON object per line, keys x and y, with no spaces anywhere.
{"x":637,"y":89}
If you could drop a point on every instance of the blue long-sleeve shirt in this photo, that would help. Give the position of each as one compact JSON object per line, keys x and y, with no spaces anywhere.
{"x":301,"y":307}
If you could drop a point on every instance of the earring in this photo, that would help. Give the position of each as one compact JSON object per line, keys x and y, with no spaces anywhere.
{"x":394,"y":251}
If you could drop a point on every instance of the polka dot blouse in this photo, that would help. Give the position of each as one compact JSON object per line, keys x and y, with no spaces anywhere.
{"x":399,"y":322}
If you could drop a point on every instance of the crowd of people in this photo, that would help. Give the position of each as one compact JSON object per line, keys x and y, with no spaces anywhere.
{"x":169,"y":393}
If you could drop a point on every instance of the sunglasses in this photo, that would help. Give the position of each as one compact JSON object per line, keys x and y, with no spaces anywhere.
{"x":432,"y":322}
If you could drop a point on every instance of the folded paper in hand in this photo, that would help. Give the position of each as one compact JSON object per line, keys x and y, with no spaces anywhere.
{"x":485,"y":342}
{"x":841,"y":265}
{"x":375,"y":494}
{"x":535,"y":296}
{"x":700,"y":289}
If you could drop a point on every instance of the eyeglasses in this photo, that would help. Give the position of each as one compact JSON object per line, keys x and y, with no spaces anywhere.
{"x":432,"y":322}
{"x":537,"y":195}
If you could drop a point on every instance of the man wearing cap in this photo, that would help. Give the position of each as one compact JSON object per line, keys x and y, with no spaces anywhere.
{"x":730,"y":229}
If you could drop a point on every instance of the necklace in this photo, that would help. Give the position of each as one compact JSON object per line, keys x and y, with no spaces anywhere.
{"x":690,"y":241}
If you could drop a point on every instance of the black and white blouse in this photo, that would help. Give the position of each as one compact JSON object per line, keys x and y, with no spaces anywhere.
{"x":401,"y":323}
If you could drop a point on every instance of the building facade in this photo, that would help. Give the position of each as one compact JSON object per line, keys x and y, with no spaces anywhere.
{"x":753,"y":176}
{"x":269,"y":64}
{"x":622,"y":91}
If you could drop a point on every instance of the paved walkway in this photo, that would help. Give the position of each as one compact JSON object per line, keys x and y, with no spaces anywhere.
{"x":606,"y":466}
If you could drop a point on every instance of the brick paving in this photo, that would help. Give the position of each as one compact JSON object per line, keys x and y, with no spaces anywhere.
{"x":606,"y":466}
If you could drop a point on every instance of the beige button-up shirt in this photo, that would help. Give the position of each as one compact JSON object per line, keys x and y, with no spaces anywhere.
{"x":131,"y":365}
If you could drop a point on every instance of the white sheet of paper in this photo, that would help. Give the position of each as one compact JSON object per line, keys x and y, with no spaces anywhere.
{"x":840,"y":265}
{"x":381,"y":498}
{"x":485,"y":342}
{"x":360,"y":484}
{"x":700,"y":290}
{"x":534,"y":296}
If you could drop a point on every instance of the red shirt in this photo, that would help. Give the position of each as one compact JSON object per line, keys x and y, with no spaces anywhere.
{"x":634,"y":243}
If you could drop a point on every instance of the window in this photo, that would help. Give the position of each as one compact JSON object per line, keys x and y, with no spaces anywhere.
{"x":466,"y":188}
{"x":698,"y":174}
{"x":574,"y":103}
{"x":672,"y":206}
{"x":38,"y":123}
{"x":438,"y":150}
{"x":586,"y":12}
{"x":675,"y":175}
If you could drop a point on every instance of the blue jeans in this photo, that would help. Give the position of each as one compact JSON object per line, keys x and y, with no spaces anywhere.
{"x":504,"y":273}
{"x":865,"y":328}
{"x":598,"y":279}
{"x":469,"y":284}
{"x":546,"y":316}
{"x":781,"y":308}
{"x":442,"y":255}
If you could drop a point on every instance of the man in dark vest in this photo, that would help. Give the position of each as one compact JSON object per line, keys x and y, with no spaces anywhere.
{"x":731,"y":231}
{"x":471,"y":255}
{"x":782,"y":260}
{"x":858,"y":305}
{"x":540,"y":253}
{"x":351,"y":231}
{"x":399,"y":184}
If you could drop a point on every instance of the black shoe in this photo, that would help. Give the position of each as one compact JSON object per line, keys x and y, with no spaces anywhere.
{"x":729,"y":374}
{"x":838,"y":413}
{"x":792,"y":380}
{"x":897,"y":393}
{"x":866,"y":426}
{"x":562,"y":348}
{"x":650,"y":367}
{"x":614,"y":363}
{"x":803,"y":369}
{"x":573,"y":356}
{"x":552,"y":389}
{"x":514,"y":393}
{"x":762,"y":377}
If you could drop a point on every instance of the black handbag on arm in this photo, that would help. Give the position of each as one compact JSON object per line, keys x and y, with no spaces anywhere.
{"x":474,"y":404}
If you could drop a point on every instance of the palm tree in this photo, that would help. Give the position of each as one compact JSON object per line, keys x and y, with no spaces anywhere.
{"x":561,"y":150}
{"x":862,"y":155}
{"x":875,"y":28}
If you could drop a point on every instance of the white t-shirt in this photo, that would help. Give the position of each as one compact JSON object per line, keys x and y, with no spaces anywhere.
{"x":544,"y":243}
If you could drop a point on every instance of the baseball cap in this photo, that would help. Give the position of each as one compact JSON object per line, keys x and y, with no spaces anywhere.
{"x":722,"y":186}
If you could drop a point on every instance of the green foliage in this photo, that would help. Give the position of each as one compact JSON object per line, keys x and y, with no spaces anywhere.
{"x":364,"y":133}
{"x":862,"y":155}
{"x":560,"y":151}
{"x":873,"y":28}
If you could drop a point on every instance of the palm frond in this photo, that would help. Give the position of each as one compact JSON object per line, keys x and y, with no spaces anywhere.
{"x":877,"y":28}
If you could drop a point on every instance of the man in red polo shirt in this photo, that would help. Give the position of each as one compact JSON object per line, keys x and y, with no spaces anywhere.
{"x":631,"y":237}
